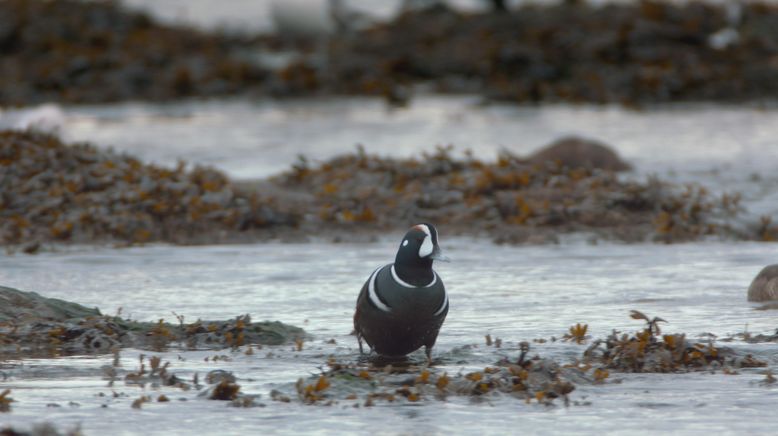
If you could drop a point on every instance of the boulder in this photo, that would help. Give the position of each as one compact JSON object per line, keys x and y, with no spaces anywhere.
{"x":19,"y":305}
{"x":575,"y":152}
{"x":765,"y":285}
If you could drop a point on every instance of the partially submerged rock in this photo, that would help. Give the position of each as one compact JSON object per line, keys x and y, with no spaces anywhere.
{"x":18,"y":306}
{"x":537,"y":379}
{"x":764,"y":287}
{"x":574,"y":152}
{"x":44,"y":429}
{"x":68,"y":328}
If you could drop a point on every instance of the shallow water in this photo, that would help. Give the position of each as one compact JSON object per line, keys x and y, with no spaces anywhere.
{"x":514,"y":293}
{"x":255,"y":139}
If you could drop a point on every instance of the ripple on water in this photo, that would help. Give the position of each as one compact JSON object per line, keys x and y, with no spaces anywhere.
{"x":511,"y":293}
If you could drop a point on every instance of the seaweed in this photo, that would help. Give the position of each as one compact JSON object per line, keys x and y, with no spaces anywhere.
{"x":648,"y":350}
{"x":5,"y":401}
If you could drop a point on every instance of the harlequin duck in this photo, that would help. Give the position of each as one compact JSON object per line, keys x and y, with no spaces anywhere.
{"x":402,"y":305}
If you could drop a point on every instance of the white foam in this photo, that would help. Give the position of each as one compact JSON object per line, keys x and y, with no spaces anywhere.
{"x":47,"y":117}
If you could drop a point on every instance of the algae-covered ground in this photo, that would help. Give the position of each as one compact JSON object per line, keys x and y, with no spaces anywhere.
{"x":75,"y":193}
{"x":629,"y":53}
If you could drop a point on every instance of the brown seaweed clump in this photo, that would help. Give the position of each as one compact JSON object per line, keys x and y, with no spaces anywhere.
{"x":76,"y":193}
{"x":536,"y":380}
{"x":650,"y":351}
{"x":5,"y":401}
{"x":55,"y":192}
{"x":512,"y":199}
{"x":75,"y":51}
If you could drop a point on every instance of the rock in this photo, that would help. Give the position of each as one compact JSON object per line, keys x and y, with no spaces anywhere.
{"x":574,"y":152}
{"x":240,"y":331}
{"x":31,"y":324}
{"x":537,"y":379}
{"x":764,"y":287}
{"x":218,"y":376}
{"x":18,"y":305}
{"x":44,"y":429}
{"x":90,"y":341}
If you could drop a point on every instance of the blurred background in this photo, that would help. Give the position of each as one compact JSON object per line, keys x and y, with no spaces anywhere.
{"x":684,"y":90}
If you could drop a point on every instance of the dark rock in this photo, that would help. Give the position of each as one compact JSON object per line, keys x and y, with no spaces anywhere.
{"x":218,"y":376}
{"x":573,"y":152}
{"x":32,"y":325}
{"x":17,"y":305}
{"x":764,"y":287}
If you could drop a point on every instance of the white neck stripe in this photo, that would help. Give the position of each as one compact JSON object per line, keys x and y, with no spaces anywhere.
{"x":372,"y":294}
{"x":402,"y":282}
{"x":442,"y":306}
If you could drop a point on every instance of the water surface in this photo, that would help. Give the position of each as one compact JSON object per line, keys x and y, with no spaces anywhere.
{"x":514,"y":293}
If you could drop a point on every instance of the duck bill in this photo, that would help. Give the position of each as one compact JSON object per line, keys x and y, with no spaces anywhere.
{"x":437,"y":254}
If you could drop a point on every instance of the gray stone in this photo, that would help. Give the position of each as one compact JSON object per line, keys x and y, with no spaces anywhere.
{"x":574,"y":152}
{"x":18,"y":305}
{"x":765,"y":285}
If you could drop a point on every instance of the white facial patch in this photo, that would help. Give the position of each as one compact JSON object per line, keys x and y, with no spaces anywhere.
{"x":426,"y":246}
{"x":405,"y":242}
